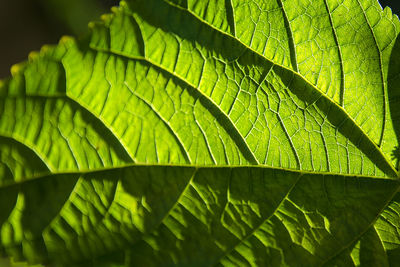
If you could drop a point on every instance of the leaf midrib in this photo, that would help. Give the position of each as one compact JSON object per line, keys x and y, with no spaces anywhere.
{"x":23,"y":180}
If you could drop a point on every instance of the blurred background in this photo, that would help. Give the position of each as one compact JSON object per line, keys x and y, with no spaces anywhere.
{"x":26,"y":25}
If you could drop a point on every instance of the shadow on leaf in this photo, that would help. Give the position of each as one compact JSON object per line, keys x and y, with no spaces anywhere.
{"x":394,"y":95}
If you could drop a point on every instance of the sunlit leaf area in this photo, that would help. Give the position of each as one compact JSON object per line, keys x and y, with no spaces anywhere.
{"x":203,"y":133}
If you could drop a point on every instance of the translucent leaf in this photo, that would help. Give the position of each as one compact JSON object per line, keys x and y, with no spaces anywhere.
{"x":204,"y":133}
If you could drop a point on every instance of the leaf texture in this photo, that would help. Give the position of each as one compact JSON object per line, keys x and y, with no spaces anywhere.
{"x":207,"y":133}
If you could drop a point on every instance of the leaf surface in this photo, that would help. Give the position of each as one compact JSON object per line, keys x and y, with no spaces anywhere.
{"x":205,"y":133}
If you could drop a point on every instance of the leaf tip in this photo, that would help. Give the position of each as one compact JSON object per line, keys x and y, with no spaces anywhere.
{"x":16,"y":68}
{"x":91,"y":25}
{"x":114,"y":9}
{"x":123,"y":4}
{"x":46,"y":48}
{"x":33,"y":55}
{"x":106,"y":18}
{"x":388,"y":12}
{"x":66,"y":40}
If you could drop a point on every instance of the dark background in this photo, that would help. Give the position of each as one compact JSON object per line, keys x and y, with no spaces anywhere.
{"x":26,"y":25}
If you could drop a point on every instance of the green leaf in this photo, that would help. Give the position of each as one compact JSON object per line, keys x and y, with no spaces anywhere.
{"x":205,"y":133}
